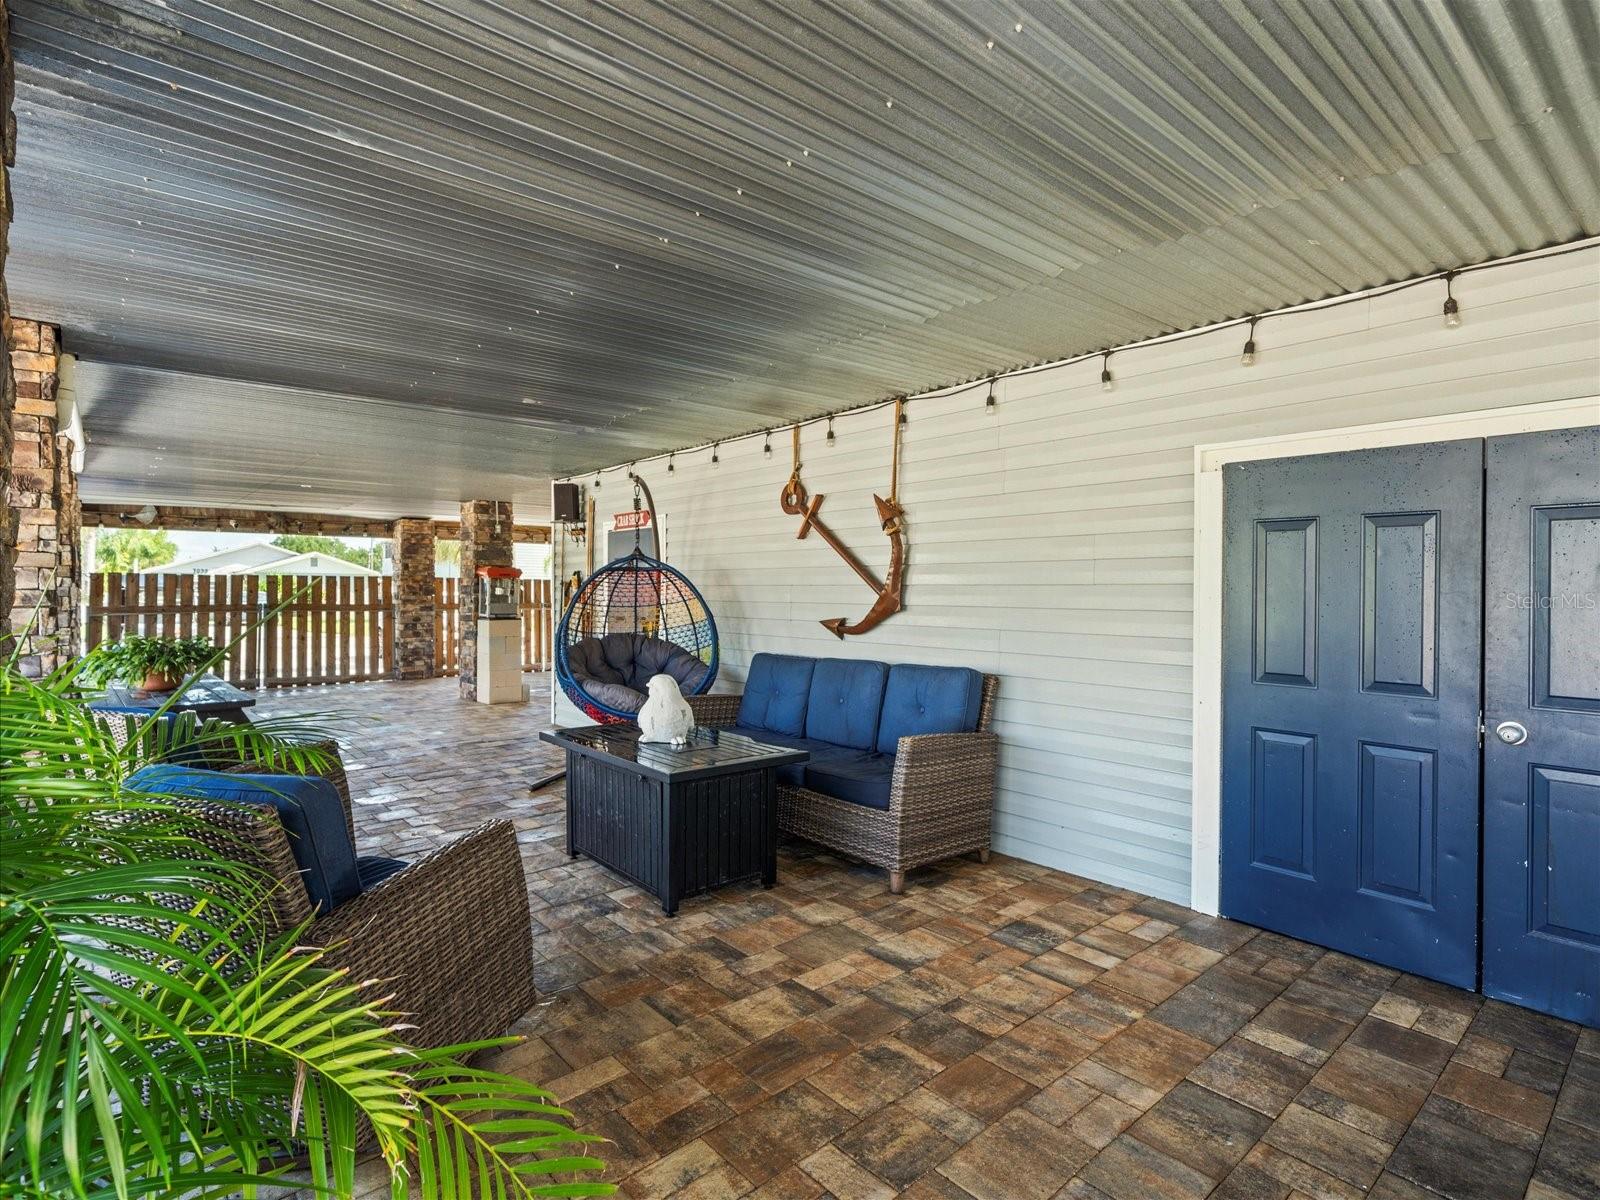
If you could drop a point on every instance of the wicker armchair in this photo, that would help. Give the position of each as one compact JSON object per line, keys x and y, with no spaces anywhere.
{"x":941,"y":800}
{"x":449,"y":935}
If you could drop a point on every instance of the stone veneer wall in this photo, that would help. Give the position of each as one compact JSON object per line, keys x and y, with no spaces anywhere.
{"x":42,"y":497}
{"x":413,"y":598}
{"x":481,"y":546}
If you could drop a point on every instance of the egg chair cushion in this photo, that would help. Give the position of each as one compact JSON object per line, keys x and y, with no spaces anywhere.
{"x":615,"y":669}
{"x":656,"y":657}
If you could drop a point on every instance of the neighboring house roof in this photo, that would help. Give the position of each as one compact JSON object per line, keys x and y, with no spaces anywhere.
{"x":263,"y":558}
{"x":220,"y":562}
{"x":314,"y":562}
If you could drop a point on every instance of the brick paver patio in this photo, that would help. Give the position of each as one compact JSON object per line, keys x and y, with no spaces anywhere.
{"x":1000,"y":1032}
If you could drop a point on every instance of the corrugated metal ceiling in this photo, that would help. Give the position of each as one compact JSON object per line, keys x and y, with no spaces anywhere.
{"x":391,"y":238}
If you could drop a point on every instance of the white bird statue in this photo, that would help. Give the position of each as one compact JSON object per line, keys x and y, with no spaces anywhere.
{"x":666,"y":715}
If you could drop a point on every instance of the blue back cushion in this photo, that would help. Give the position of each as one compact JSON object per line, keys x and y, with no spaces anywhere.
{"x":928,"y":700}
{"x":308,"y":806}
{"x":775,"y":693}
{"x":846,"y":695}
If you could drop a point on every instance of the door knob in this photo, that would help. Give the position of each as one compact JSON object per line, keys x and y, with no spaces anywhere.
{"x":1512,"y":733}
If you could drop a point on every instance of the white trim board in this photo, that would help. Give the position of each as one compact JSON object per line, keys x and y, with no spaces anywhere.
{"x":1206,"y":814}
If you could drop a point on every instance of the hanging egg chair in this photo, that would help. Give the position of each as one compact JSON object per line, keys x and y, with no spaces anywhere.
{"x":634,"y":618}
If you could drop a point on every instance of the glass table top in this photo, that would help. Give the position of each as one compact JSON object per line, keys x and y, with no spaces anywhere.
{"x":707,"y":749}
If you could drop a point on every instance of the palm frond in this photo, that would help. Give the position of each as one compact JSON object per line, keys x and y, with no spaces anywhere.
{"x":159,"y":1043}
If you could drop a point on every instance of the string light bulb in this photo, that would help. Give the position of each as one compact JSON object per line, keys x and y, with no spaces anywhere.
{"x":597,"y":481}
{"x":989,"y":405}
{"x":1452,"y":306}
{"x":714,"y":459}
{"x":1248,"y":358}
{"x":1106,"y":382}
{"x":670,"y":467}
{"x":766,"y":445}
{"x":830,"y":431}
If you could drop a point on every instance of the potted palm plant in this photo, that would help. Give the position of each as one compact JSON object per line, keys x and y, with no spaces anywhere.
{"x":157,"y":1045}
{"x":153,"y":664}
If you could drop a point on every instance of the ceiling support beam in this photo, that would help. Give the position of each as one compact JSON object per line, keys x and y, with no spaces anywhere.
{"x":257,"y":520}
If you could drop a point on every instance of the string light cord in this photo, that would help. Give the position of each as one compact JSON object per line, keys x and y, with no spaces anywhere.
{"x":945,"y":391}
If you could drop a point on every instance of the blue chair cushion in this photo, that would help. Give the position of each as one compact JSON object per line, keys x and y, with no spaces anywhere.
{"x":373,"y":869}
{"x":307,"y":805}
{"x":846,"y":695}
{"x":775,"y":694}
{"x":928,"y":700}
{"x":863,"y":779}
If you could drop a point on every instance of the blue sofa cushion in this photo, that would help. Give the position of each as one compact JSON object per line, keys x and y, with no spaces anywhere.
{"x":793,"y":774}
{"x":775,"y":694}
{"x":373,"y":869}
{"x":863,"y":779}
{"x":846,"y":695}
{"x":307,"y":805}
{"x":928,"y":700}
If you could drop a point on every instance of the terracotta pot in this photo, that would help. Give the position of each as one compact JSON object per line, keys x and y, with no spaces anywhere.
{"x":156,"y":682}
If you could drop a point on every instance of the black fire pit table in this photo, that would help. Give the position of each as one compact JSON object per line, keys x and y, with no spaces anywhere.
{"x":675,"y":820}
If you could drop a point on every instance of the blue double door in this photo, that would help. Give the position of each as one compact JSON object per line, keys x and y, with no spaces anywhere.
{"x":1411,"y":709}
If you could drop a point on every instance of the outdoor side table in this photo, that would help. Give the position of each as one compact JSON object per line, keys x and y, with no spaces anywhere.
{"x":675,"y":821}
{"x":208,"y":697}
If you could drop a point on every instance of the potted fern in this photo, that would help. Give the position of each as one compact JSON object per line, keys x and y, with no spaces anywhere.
{"x":153,"y":664}
{"x":156,"y":1045}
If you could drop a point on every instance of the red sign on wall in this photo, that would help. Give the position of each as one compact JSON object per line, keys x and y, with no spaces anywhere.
{"x":633,"y":520}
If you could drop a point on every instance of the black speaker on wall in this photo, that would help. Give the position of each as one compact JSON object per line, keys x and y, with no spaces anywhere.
{"x":564,"y":502}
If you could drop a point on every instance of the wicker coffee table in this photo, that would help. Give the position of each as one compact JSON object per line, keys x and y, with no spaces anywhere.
{"x":676,"y":822}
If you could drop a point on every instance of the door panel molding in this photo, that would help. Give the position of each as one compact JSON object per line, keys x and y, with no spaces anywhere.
{"x":1565,"y":607}
{"x":1285,"y":623}
{"x":1399,"y":823}
{"x":1400,"y":624}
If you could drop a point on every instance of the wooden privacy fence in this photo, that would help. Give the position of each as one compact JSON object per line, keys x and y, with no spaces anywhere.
{"x":336,"y":629}
{"x":537,"y":624}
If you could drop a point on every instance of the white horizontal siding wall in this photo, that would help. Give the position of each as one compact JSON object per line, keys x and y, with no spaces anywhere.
{"x":1052,"y":541}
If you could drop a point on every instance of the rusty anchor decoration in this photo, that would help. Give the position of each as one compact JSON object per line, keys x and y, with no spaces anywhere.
{"x":891,"y":592}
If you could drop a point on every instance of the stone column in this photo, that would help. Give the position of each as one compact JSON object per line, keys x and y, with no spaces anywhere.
{"x":414,"y":608}
{"x":42,"y":496}
{"x":485,"y":542}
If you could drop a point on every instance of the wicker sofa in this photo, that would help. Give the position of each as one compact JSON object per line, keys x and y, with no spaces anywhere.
{"x":878,"y":788}
{"x":449,"y":934}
